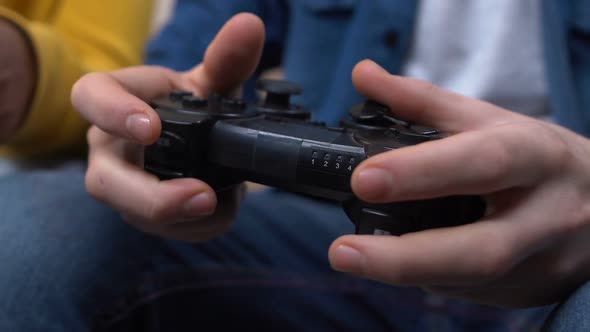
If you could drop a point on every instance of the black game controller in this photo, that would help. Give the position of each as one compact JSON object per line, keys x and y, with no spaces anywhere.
{"x":224,"y":141}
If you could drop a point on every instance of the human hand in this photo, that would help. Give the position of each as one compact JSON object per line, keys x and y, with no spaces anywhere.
{"x":18,"y":77}
{"x":533,"y":245}
{"x":185,"y":209}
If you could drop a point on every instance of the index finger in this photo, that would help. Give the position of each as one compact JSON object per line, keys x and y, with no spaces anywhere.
{"x":115,"y":102}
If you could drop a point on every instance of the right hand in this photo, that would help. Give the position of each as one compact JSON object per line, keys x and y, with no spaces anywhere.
{"x":122,"y":123}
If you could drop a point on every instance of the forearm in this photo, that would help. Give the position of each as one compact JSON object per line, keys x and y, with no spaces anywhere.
{"x":18,"y":77}
{"x":83,"y":37}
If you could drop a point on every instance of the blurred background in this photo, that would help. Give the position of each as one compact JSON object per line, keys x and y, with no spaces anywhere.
{"x":162,"y":13}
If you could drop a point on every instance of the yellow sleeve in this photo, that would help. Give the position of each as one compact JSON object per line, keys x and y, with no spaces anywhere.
{"x":83,"y":36}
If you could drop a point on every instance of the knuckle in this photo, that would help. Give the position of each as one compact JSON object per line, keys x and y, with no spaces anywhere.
{"x":556,"y":151}
{"x":495,"y":257}
{"x":497,"y":164}
{"x":77,"y":89}
{"x":92,"y":134}
{"x":156,"y":211}
{"x":577,"y":219}
{"x":80,"y":89}
{"x":561,"y":156}
{"x":423,"y":85}
{"x":397,"y":277}
{"x":582,"y":217}
{"x":94,"y":183}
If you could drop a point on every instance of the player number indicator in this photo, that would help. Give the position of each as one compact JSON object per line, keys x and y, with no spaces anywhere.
{"x":339,"y":164}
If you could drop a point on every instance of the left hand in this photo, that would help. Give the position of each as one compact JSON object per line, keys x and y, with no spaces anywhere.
{"x":533,"y":245}
{"x":123,"y":123}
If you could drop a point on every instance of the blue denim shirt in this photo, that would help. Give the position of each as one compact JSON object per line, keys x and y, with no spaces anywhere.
{"x":318,"y":42}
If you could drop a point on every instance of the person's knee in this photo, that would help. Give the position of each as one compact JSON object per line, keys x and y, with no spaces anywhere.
{"x":59,"y":246}
{"x":573,"y":314}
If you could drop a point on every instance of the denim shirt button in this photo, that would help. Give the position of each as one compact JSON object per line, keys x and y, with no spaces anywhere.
{"x":391,"y":38}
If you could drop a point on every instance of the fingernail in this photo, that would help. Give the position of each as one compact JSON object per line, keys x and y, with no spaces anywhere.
{"x":140,"y":127}
{"x":199,"y":206}
{"x":373,"y":183}
{"x":347,"y":259}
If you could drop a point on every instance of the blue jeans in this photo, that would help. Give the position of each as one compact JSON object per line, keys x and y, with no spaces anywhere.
{"x":71,"y":264}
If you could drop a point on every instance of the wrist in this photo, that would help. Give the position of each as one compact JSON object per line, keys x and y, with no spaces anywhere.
{"x":18,"y":77}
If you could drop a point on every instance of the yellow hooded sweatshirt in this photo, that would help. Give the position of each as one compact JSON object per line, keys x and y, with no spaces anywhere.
{"x":71,"y":38}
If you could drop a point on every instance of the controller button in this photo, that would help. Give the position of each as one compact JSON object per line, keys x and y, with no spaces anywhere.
{"x":374,"y":222}
{"x":371,"y":115}
{"x":230,"y":105}
{"x":278,"y":100}
{"x":179,"y":94}
{"x":171,"y":142}
{"x":366,"y":112}
{"x":397,"y":121}
{"x":193,"y":102}
{"x":425,"y":130}
{"x":278,"y":93}
{"x":278,"y":87}
{"x":339,"y":159}
{"x":164,"y":173}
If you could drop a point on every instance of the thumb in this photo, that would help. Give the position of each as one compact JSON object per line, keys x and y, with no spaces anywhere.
{"x":231,"y":57}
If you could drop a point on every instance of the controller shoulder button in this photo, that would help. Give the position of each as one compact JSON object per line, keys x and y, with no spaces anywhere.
{"x":172,"y":142}
{"x":232,"y":105}
{"x":422,"y":130}
{"x":164,"y":173}
{"x":179,"y":94}
{"x":193,"y":102}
